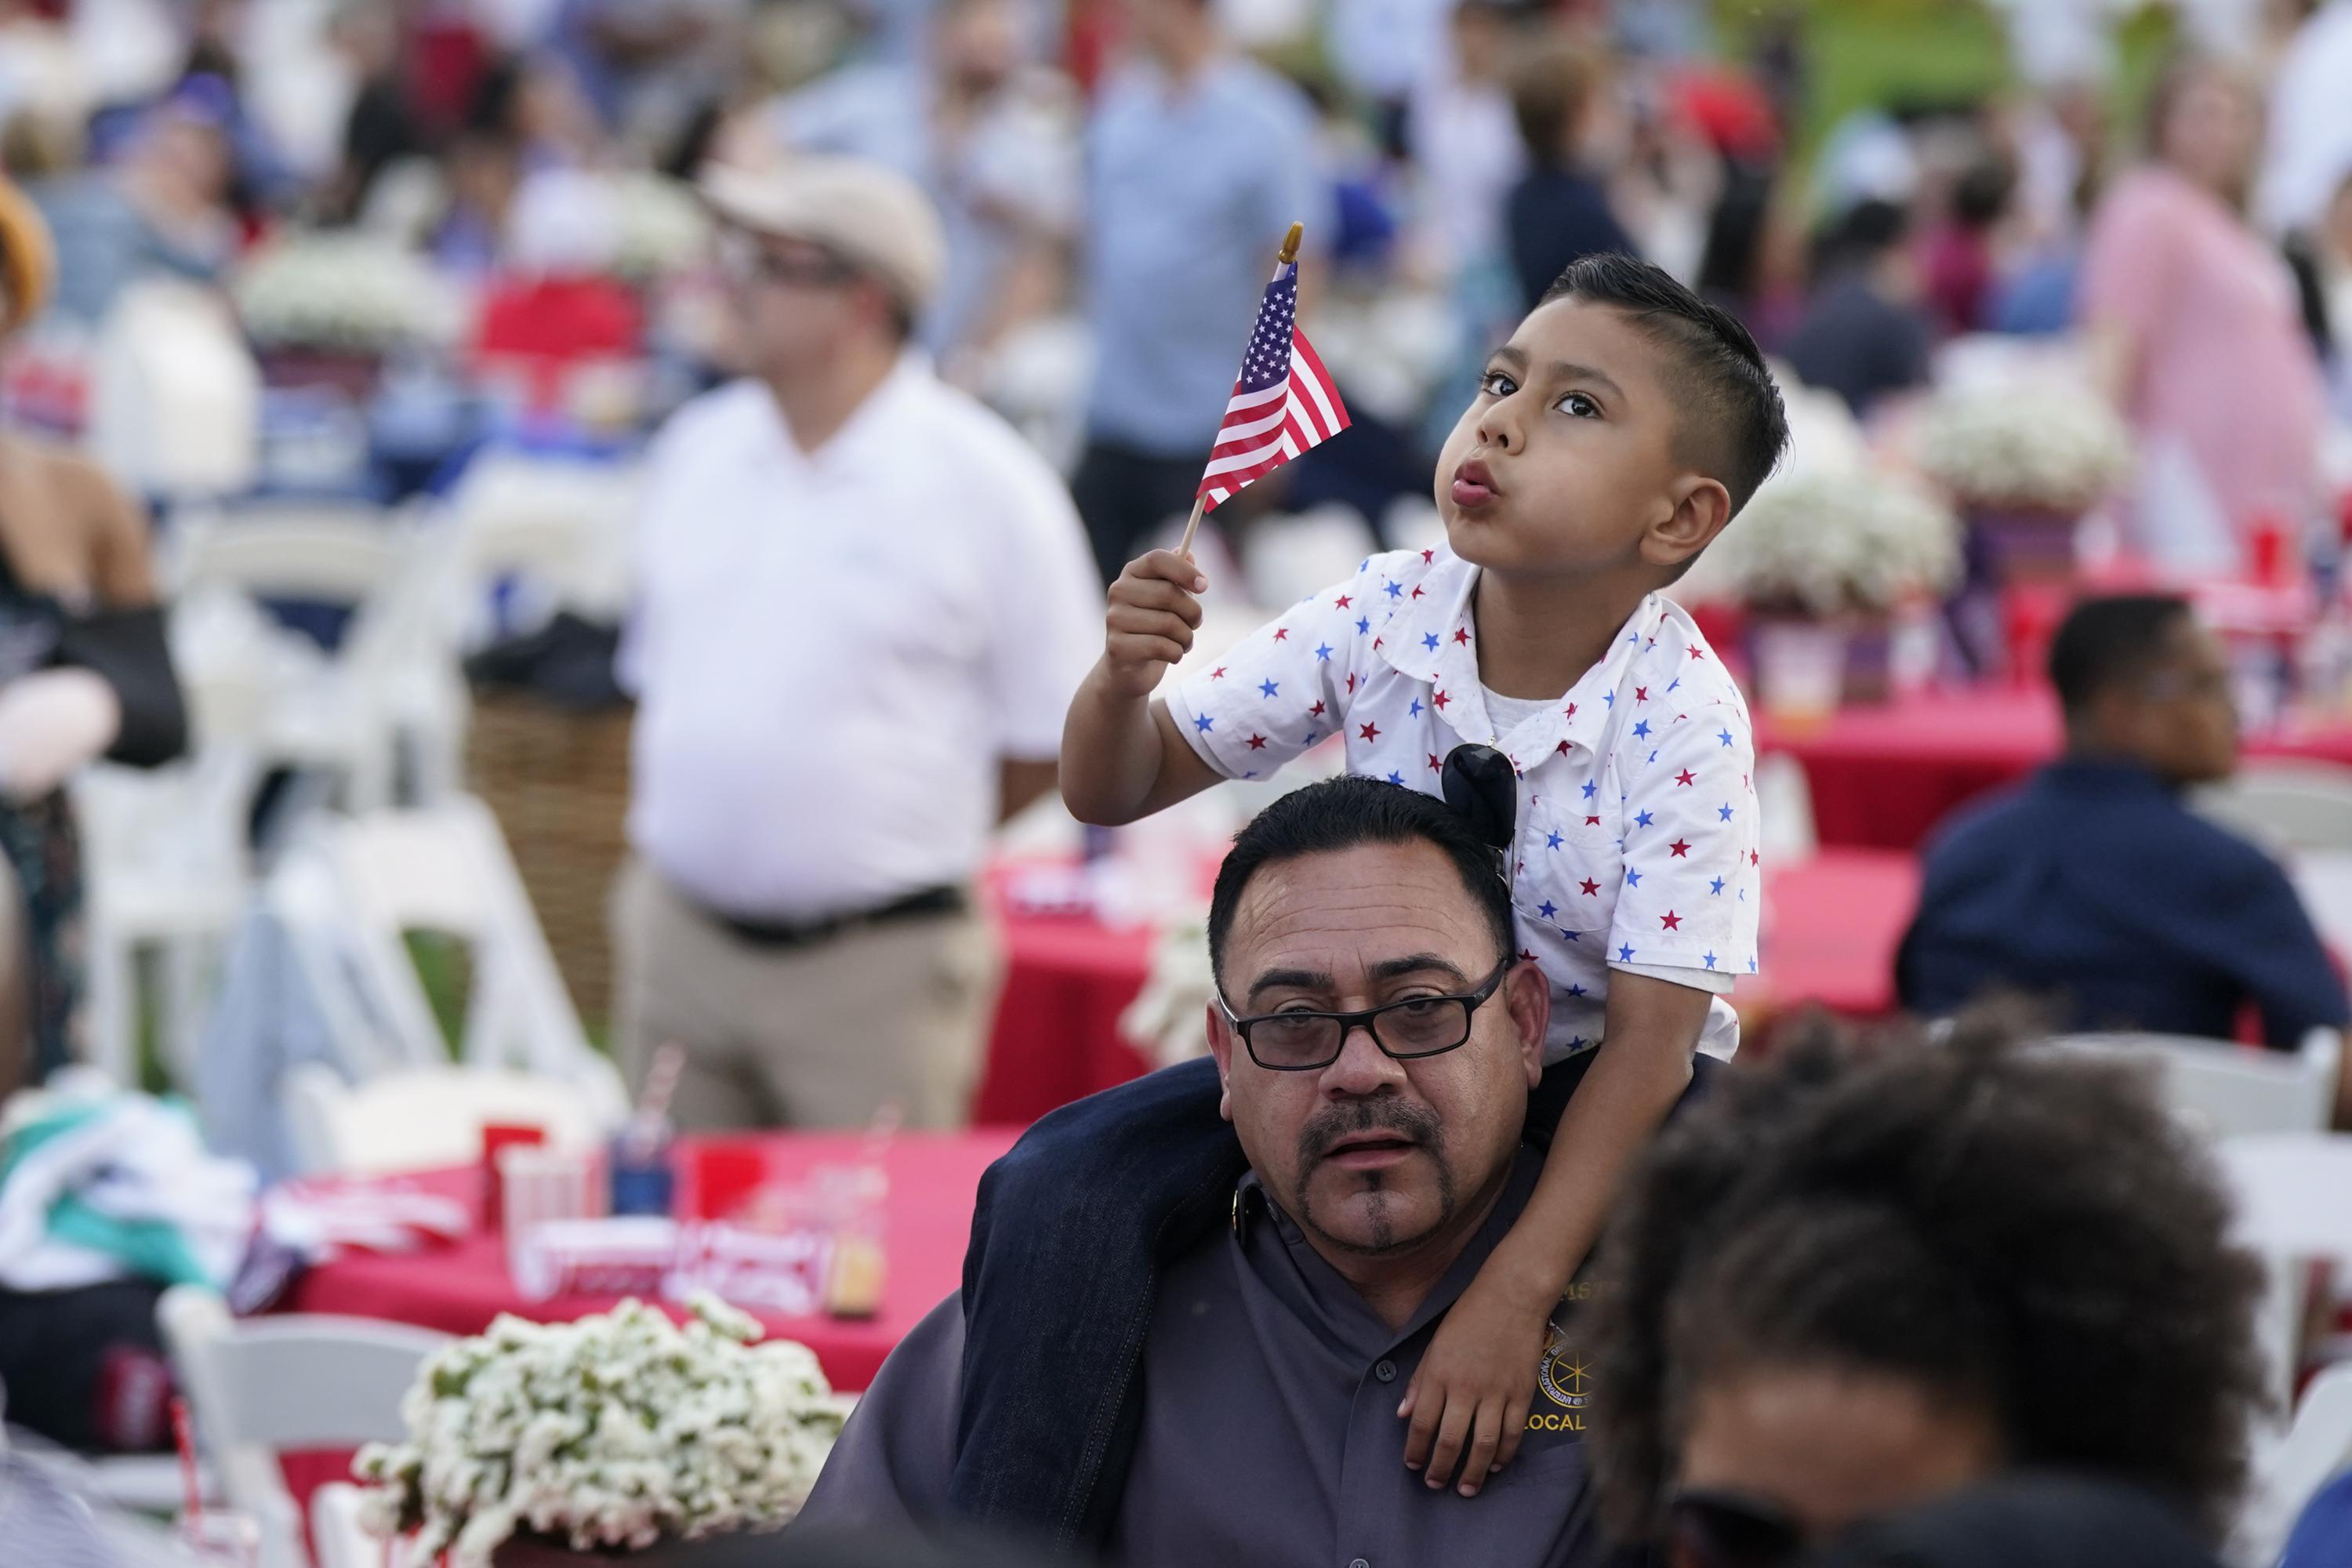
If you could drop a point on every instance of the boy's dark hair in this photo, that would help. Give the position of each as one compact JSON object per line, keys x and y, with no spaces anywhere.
{"x":1341,"y":814}
{"x":1733,"y":427}
{"x":1990,"y":1223}
{"x":2106,"y":641}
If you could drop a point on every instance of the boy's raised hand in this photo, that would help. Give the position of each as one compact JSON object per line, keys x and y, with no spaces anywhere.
{"x":1153,"y":615}
{"x":1469,"y":1398}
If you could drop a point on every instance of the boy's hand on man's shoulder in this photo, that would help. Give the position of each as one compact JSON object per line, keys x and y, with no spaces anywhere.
{"x":1153,"y":614}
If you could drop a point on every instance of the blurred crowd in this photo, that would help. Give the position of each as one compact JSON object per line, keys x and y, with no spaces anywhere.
{"x":1115,"y":174}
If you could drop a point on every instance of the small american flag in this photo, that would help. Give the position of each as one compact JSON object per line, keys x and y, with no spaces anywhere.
{"x":1284,"y":402}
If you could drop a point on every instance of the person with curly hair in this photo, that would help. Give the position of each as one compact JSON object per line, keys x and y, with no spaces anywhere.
{"x":1850,"y":1284}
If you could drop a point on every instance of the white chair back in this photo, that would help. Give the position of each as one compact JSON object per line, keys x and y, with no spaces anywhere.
{"x":564,"y":524}
{"x":425,"y":1118}
{"x":2225,"y":1090}
{"x":2290,"y":1468}
{"x":347,"y":552}
{"x":2289,"y":1205}
{"x":2286,"y":804}
{"x":447,"y":868}
{"x":269,"y":1386}
{"x":272,"y":690}
{"x":166,"y":863}
{"x":1785,"y":798}
{"x":338,"y":1540}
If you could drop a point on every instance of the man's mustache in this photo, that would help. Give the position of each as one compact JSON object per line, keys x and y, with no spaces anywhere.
{"x":1414,"y":1123}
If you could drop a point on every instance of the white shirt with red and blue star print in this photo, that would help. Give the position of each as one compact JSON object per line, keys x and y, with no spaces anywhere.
{"x":1637,"y":834}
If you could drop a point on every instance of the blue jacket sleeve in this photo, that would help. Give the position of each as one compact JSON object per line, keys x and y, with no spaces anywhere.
{"x":2277,"y":955}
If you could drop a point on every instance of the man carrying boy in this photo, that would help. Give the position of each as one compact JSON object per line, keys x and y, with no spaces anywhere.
{"x":1612,"y":439}
{"x":1377,"y":1047}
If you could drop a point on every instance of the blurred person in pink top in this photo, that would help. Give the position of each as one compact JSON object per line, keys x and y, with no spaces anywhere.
{"x":2195,"y":329}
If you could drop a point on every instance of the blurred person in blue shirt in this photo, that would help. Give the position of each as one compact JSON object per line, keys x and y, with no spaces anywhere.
{"x":2095,"y":885}
{"x":1863,"y":333}
{"x":1199,"y":159}
{"x":1560,"y":212}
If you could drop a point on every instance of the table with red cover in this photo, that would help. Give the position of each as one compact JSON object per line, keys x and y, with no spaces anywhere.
{"x":1068,"y":978}
{"x":1883,"y":776}
{"x":933,"y":1178}
{"x":1832,"y":925}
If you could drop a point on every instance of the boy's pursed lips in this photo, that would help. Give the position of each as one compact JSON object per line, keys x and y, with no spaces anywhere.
{"x":1474,"y":484}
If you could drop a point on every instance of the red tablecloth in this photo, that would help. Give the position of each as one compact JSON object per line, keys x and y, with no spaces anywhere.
{"x":1066,"y":980}
{"x":932,"y":1180}
{"x":1831,"y":930}
{"x":1884,"y":776}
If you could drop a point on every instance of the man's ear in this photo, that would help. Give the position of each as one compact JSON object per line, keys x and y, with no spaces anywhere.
{"x":1701,"y":508}
{"x":1221,"y":1042}
{"x":1528,"y":996}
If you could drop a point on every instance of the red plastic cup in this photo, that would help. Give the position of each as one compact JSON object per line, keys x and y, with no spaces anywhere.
{"x":721,"y":1176}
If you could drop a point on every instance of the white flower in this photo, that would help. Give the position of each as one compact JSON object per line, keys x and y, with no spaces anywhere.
{"x":613,"y":1431}
{"x":352,"y":291}
{"x":2048,"y":445}
{"x":1826,"y":541}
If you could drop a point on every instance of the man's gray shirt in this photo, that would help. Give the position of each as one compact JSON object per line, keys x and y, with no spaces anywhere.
{"x":1270,"y":1433}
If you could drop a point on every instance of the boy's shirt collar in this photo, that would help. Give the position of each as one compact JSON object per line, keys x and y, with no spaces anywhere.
{"x":1433,"y":635}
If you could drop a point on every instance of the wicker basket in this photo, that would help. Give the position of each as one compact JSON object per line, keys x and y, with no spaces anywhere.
{"x":558,"y":783}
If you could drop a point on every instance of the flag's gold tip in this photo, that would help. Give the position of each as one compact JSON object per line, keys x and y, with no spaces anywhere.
{"x":1290,"y":243}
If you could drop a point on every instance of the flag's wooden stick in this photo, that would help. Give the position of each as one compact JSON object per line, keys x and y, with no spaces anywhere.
{"x":1200,"y":503}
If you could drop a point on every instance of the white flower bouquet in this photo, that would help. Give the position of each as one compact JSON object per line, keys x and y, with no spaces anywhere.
{"x":349,"y":292}
{"x":2049,"y":445}
{"x":1830,"y":542}
{"x":614,"y":1432}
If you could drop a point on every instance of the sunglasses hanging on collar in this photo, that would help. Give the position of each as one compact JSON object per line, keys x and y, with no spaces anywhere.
{"x":1483,"y":788}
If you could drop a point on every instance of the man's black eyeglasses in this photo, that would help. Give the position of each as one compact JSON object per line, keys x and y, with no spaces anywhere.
{"x":1301,"y":1041}
{"x":1726,"y":1530}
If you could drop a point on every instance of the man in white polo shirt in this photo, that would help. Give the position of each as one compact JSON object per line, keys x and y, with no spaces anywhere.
{"x":863,"y":604}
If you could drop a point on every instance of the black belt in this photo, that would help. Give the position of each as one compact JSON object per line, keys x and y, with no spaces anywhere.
{"x":940,"y":900}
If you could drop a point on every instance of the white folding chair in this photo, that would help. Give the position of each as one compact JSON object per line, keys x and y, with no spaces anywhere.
{"x":2290,"y":1467}
{"x":553,"y":533}
{"x":1784,"y":797}
{"x":338,"y":1538}
{"x":2289,"y":1206}
{"x":446,"y":869}
{"x":272,"y":1385}
{"x":427,"y":1117}
{"x":2287,"y":804}
{"x":166,"y":866}
{"x":331,"y":713}
{"x":2225,"y":1090}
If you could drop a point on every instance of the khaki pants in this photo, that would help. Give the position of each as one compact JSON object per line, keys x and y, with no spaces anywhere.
{"x":822,"y":1036}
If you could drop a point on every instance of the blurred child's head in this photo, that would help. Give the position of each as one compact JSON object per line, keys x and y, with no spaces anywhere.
{"x":2205,"y":120}
{"x":1553,"y":88}
{"x":1621,"y":427}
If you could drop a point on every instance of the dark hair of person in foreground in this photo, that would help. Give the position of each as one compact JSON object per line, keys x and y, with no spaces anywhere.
{"x":2020,"y":1238}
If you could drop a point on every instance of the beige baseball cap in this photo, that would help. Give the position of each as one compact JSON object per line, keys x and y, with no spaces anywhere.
{"x":868,"y":214}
